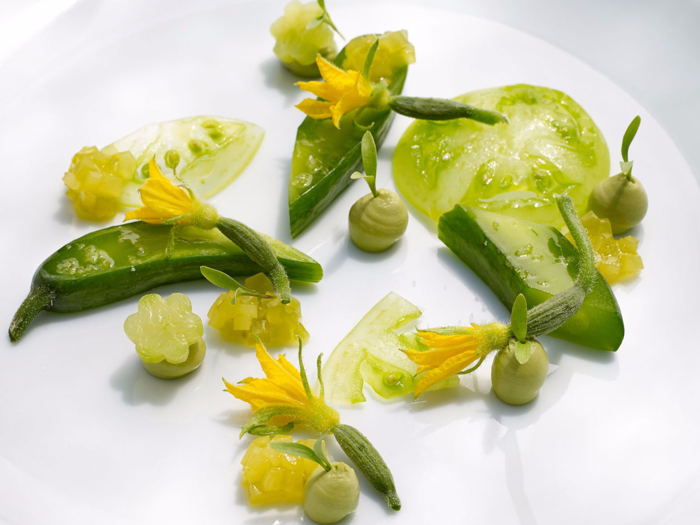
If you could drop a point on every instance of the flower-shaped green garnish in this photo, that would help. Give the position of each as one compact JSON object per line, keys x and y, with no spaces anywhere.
{"x":164,"y":329}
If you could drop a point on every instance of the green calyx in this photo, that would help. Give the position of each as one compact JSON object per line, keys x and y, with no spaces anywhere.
{"x":443,"y":109}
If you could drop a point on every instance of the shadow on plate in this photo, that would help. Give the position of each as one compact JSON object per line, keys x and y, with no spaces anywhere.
{"x":138,"y":387}
{"x":278,"y":77}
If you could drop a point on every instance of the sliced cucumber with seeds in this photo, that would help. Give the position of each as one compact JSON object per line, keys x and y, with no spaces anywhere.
{"x":212,"y":151}
{"x":371,"y":353}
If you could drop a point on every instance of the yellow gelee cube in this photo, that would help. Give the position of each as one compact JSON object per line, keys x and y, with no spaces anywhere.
{"x":271,"y":477}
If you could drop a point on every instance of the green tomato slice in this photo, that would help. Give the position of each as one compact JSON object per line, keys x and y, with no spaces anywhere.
{"x":212,"y":150}
{"x":551,"y":146}
{"x":371,"y":353}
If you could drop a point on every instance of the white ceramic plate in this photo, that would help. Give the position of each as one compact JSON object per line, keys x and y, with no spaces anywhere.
{"x":87,"y":436}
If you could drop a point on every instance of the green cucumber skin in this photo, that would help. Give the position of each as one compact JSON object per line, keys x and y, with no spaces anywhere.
{"x":598,"y":324}
{"x":309,"y":205}
{"x":75,"y":293}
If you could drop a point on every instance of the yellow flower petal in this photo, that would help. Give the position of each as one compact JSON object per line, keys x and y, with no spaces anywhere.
{"x":280,"y":375}
{"x":280,"y":389}
{"x":452,"y":353}
{"x":433,"y":358}
{"x":315,"y":108}
{"x":261,"y":393}
{"x":449,"y":368}
{"x":161,"y":199}
{"x":445,"y":341}
{"x":336,"y":77}
{"x":342,"y":92}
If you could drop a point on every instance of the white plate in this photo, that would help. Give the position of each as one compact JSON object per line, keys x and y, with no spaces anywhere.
{"x":87,"y":436}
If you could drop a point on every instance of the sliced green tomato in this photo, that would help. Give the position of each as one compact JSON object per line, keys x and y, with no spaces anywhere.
{"x":213,"y":151}
{"x":371,"y":353}
{"x":514,"y":256}
{"x":551,"y":146}
{"x":324,"y":157}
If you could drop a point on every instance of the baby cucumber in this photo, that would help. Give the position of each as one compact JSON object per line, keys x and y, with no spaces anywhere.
{"x":114,"y":263}
{"x":325,"y":157}
{"x":513,"y":256}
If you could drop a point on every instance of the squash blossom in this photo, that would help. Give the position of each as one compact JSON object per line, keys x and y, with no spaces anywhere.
{"x":341,"y":91}
{"x":284,"y":399}
{"x":283,"y":396}
{"x":165,"y":203}
{"x":452,"y":349}
{"x":344,"y":91}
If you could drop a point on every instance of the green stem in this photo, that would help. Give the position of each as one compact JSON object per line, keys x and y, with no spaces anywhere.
{"x":260,"y":251}
{"x":443,"y":109}
{"x":586,"y":256}
{"x":39,"y":299}
{"x":555,"y":311}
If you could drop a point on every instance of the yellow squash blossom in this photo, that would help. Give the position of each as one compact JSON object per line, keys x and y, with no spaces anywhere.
{"x":282,"y":396}
{"x":165,"y":203}
{"x":342,"y":92}
{"x":451,"y":350}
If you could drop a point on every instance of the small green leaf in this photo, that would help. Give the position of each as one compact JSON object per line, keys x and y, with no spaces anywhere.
{"x":220,"y":279}
{"x":369,"y":154}
{"x":302,"y":451}
{"x":325,"y":17}
{"x":629,"y":136}
{"x":518,"y":318}
{"x":315,"y":22}
{"x":370,"y":58}
{"x":523,"y":351}
{"x":318,"y":448}
{"x":225,"y":281}
{"x":271,"y":430}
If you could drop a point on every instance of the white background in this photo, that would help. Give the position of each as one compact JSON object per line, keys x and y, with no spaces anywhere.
{"x":86,"y":436}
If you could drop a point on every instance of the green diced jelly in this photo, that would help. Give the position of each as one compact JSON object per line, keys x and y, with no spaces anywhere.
{"x":247,"y":310}
{"x":260,"y":283}
{"x":242,"y":322}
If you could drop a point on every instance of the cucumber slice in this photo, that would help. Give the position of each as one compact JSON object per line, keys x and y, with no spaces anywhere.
{"x":371,"y":353}
{"x":324,"y":157}
{"x":213,"y":151}
{"x":551,"y":146}
{"x":514,"y":256}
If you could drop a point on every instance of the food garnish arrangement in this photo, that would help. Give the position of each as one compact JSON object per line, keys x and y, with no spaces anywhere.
{"x":517,"y":179}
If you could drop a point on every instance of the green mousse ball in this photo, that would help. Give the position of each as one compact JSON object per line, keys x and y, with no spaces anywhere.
{"x":376,"y":223}
{"x":624,"y":202}
{"x":331,"y":495}
{"x":165,"y":370}
{"x":515,"y":383}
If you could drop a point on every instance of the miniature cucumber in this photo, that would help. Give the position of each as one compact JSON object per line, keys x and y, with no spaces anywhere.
{"x":513,"y":256}
{"x":324,"y":157}
{"x":114,"y":263}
